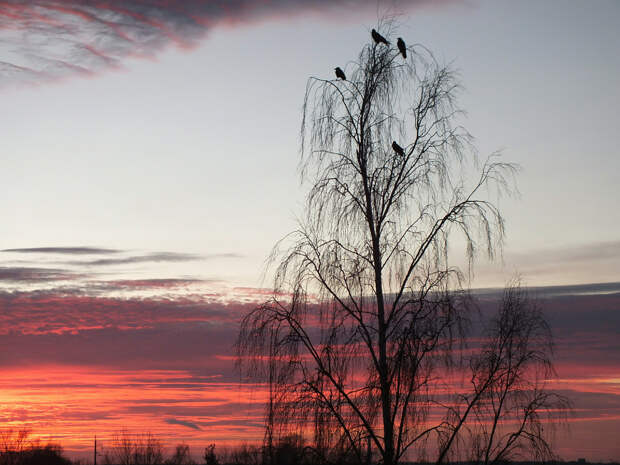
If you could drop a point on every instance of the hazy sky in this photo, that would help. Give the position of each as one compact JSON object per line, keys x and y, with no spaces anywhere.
{"x":189,"y":143}
{"x":149,"y":163}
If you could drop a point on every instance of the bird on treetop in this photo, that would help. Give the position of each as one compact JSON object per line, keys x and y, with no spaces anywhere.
{"x":378,"y":38}
{"x":340,"y":73}
{"x":401,"y":46}
{"x":398,"y":149}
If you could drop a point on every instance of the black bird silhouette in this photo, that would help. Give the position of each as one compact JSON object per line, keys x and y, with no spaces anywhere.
{"x":340,"y":73}
{"x":378,"y":38}
{"x":398,"y":149}
{"x":401,"y":46}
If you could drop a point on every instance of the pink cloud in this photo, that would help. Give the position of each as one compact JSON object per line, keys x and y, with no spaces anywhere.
{"x":76,"y":364}
{"x":42,"y":312}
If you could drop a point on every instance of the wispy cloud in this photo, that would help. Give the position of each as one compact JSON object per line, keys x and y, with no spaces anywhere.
{"x":27,"y":275}
{"x":557,"y":291}
{"x":187,"y":424}
{"x":55,"y":312}
{"x":156,"y":257}
{"x":575,"y":263}
{"x":64,"y":250}
{"x":86,"y":402}
{"x":119,"y":257}
{"x":136,"y":284}
{"x":575,"y":254}
{"x":50,"y":39}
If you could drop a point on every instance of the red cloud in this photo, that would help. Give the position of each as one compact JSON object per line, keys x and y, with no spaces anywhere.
{"x":75,"y":365}
{"x":43,"y":312}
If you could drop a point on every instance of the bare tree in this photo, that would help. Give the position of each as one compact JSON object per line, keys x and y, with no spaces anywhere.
{"x":128,"y":449}
{"x":182,"y":456}
{"x":18,"y":448}
{"x":210,"y":458}
{"x":508,"y":395}
{"x":14,"y":441}
{"x":368,"y":312}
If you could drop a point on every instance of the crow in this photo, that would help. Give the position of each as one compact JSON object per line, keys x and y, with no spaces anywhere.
{"x":340,"y":73}
{"x":378,"y":38}
{"x":401,"y":46}
{"x":398,"y":149}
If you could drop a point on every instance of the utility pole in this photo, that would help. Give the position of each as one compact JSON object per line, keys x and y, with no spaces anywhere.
{"x":95,"y":452}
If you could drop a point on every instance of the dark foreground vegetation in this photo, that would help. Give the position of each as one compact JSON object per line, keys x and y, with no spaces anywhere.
{"x":17,"y":448}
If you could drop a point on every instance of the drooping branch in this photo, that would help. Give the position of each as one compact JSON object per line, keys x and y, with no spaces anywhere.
{"x":369,"y":316}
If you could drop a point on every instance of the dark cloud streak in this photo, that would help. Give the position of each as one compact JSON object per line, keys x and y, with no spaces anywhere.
{"x":187,"y":424}
{"x":65,"y":250}
{"x":148,"y":258}
{"x":162,"y":283}
{"x":157,"y":257}
{"x":27,"y":275}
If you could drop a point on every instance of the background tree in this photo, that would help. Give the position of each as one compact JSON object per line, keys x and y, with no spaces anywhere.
{"x":210,"y":458}
{"x":139,"y":449}
{"x":373,"y":311}
{"x":181,"y":456}
{"x":18,"y":448}
{"x":508,"y":395}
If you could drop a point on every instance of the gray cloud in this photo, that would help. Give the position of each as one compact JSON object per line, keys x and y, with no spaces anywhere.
{"x":65,"y":250}
{"x":156,"y":257}
{"x":148,"y":258}
{"x":187,"y":424}
{"x":556,"y":291}
{"x":578,"y":253}
{"x":42,"y":40}
{"x":577,"y":263}
{"x":121,"y":257}
{"x":138,"y":284}
{"x":33,"y":275}
{"x":588,"y":402}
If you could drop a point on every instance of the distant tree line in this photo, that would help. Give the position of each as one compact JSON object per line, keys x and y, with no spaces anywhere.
{"x":18,"y":448}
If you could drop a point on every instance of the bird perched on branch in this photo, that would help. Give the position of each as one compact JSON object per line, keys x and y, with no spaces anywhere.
{"x":402,"y":47}
{"x":378,"y":38}
{"x":340,"y":73}
{"x":398,"y":149}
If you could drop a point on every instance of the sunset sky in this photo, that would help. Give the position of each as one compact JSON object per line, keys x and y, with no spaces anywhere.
{"x":149,"y":163}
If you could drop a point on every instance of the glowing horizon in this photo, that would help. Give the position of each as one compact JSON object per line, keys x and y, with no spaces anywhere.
{"x":84,"y":365}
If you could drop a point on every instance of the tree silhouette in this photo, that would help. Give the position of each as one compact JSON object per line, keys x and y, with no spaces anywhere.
{"x":369,"y":315}
{"x":138,"y":449}
{"x":17,"y":448}
{"x":508,"y":397}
